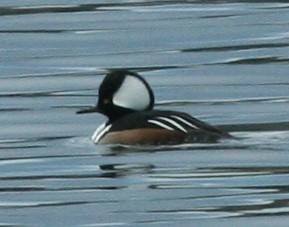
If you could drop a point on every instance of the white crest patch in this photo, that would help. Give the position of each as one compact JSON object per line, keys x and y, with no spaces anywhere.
{"x":132,"y":94}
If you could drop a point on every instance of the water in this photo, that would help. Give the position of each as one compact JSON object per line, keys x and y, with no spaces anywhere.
{"x":223,"y":62}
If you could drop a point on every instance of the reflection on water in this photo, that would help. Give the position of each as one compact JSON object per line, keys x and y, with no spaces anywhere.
{"x":225,"y":63}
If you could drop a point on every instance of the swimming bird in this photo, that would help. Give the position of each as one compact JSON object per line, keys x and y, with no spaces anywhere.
{"x":127,"y":100}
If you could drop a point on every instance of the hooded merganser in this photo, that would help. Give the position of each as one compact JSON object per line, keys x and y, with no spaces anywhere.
{"x":127,"y":100}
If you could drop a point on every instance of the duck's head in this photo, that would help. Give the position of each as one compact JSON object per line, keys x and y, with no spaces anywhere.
{"x":122,"y":92}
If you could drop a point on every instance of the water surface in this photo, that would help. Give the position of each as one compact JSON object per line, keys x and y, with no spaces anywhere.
{"x":223,"y":62}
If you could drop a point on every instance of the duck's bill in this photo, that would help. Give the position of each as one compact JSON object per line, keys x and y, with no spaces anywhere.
{"x":88,"y":110}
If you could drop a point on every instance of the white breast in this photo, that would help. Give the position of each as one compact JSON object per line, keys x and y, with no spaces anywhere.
{"x":100,"y":132}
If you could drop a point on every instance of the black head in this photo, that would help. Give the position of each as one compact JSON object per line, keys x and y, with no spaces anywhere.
{"x":122,"y":92}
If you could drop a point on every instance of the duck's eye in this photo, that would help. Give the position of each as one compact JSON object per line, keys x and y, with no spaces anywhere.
{"x":106,"y":101}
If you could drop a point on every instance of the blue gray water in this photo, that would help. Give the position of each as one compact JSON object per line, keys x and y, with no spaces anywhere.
{"x":223,"y":62}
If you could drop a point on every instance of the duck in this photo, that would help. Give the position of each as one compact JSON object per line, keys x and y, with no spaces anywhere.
{"x":127,"y":100}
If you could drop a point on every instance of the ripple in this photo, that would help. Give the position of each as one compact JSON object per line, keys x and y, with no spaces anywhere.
{"x":225,"y":101}
{"x":4,"y":11}
{"x":237,"y":47}
{"x":255,"y":60}
{"x":13,"y":205}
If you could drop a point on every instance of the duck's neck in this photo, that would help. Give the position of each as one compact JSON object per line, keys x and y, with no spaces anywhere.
{"x":118,"y":113}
